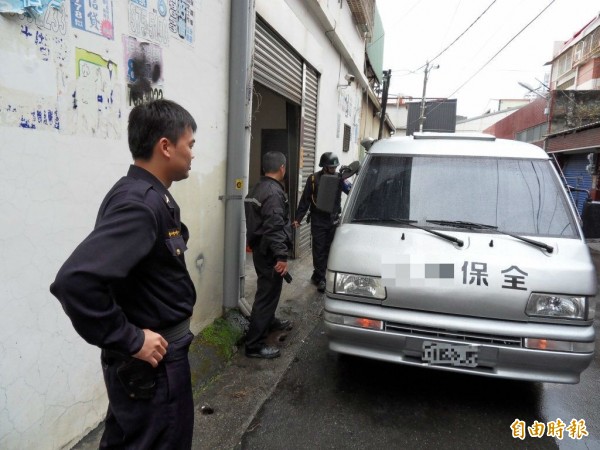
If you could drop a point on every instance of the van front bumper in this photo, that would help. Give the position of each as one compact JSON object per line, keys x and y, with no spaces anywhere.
{"x":500,"y":345}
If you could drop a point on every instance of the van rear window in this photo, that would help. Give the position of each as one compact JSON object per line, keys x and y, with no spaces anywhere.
{"x":516,"y":195}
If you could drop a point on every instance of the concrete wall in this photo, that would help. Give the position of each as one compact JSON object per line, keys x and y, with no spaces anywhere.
{"x":63,"y":110}
{"x":58,"y":161}
{"x":398,"y":114}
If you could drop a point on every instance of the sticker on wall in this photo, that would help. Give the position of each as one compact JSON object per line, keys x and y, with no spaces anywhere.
{"x":93,"y":16}
{"x":34,"y":7}
{"x":93,"y":107}
{"x":149,"y":21}
{"x":181,"y":19}
{"x":144,"y":67}
{"x":32,"y":70}
{"x":52,"y":20}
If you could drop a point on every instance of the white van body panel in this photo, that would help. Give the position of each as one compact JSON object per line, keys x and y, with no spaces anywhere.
{"x":375,"y":250}
{"x":468,"y":296}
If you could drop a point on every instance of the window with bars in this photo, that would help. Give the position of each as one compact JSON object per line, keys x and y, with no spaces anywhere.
{"x":347,"y":132}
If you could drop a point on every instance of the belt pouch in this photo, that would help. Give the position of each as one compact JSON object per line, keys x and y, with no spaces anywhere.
{"x":138,"y":378}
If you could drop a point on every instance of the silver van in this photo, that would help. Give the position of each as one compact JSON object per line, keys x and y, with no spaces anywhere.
{"x":462,"y":252}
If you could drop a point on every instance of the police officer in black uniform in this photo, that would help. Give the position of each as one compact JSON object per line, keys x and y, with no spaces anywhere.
{"x":322,"y":224}
{"x":126,"y":288}
{"x":269,"y":235}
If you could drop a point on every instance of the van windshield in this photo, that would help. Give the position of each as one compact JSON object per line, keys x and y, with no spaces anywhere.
{"x":515,"y":195}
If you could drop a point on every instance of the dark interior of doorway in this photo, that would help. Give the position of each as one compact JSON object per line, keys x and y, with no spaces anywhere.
{"x":277,"y":135}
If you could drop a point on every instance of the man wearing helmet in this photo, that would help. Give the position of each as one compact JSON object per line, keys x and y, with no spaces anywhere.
{"x":322,"y":223}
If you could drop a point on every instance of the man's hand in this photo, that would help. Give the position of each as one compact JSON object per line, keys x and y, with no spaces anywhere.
{"x":295,"y":224}
{"x":281,"y":267}
{"x":154,"y":348}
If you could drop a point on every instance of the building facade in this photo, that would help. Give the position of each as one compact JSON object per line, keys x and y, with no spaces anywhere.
{"x":575,"y":111}
{"x":70,"y":77}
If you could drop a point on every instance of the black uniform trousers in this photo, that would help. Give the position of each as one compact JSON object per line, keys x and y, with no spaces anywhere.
{"x":166,"y":421}
{"x":268,"y":291}
{"x":322,"y":231}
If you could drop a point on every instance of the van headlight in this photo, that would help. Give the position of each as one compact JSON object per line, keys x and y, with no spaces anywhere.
{"x":560,"y":306}
{"x":357,"y":285}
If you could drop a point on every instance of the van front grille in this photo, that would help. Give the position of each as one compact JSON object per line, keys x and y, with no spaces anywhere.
{"x":440,"y":333}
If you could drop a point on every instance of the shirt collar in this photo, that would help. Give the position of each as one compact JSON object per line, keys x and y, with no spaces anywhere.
{"x":265,"y":177}
{"x":142,"y":174}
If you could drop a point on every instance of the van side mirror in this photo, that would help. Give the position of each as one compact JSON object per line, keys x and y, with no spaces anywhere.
{"x":349,"y":170}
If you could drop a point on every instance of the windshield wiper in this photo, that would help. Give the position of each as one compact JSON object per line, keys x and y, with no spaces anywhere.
{"x":411,"y":223}
{"x":463,"y":224}
{"x":481,"y":226}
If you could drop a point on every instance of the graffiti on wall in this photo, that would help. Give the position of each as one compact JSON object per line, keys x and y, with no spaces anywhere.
{"x":144,"y":66}
{"x":33,"y":70}
{"x":149,"y":23}
{"x":93,"y":16}
{"x":52,"y":19}
{"x":181,"y":20}
{"x":346,"y":103}
{"x":93,"y":106}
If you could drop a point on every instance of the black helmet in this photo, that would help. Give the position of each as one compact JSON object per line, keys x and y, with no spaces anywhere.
{"x":329,"y":159}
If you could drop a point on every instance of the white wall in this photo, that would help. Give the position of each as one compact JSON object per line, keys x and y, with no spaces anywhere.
{"x":53,"y":178}
{"x":52,"y":182}
{"x":480,"y":123}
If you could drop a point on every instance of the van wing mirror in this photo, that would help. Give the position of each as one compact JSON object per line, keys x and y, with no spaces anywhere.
{"x":349,"y":170}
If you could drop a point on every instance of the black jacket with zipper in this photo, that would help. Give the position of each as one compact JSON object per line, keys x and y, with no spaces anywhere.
{"x":268,"y":227}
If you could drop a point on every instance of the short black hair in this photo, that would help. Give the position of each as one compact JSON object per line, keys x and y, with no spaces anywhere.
{"x":149,"y":122}
{"x":272,"y":161}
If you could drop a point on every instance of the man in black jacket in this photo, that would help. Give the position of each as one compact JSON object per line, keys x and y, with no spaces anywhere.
{"x":127,"y":290}
{"x":322,"y":224}
{"x":269,"y":235}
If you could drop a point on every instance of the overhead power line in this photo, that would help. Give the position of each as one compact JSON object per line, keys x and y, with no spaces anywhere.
{"x":496,"y":54}
{"x":503,"y":47}
{"x":459,"y":36}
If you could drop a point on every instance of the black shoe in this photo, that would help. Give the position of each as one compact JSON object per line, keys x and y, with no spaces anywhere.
{"x":314,"y":279}
{"x":265,"y":351}
{"x":321,"y":286}
{"x":280,"y":325}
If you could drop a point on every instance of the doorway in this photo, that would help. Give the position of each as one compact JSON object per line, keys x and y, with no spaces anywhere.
{"x":275,"y":127}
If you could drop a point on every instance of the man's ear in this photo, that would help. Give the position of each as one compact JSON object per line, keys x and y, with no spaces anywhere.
{"x":164,"y":147}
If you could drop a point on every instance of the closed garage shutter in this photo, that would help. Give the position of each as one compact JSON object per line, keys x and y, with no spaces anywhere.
{"x":578,"y":177}
{"x":308,"y":146}
{"x":275,"y":65}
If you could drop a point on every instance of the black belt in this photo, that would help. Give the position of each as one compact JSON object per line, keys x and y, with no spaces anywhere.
{"x":170,"y":334}
{"x":177,"y":331}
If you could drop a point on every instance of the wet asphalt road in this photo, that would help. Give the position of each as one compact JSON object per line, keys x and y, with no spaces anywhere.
{"x":331,"y":401}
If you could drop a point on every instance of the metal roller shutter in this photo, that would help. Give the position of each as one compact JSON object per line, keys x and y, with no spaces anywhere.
{"x":577,"y":176}
{"x":279,"y":68}
{"x":308,"y":146}
{"x":275,"y":65}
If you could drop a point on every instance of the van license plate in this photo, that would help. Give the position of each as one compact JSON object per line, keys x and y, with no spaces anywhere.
{"x":436,"y":353}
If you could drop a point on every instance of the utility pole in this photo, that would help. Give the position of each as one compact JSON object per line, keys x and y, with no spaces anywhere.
{"x":387,"y":74}
{"x":422,"y":113}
